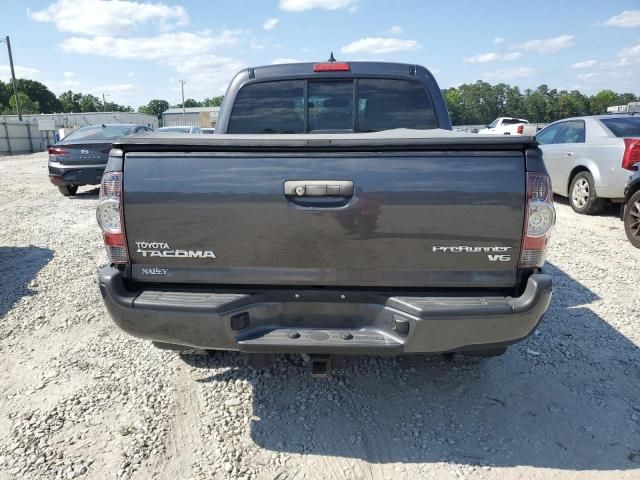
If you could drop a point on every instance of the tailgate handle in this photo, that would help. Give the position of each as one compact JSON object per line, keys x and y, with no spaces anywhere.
{"x":318,"y":188}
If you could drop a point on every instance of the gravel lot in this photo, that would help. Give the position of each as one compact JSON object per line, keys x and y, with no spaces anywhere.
{"x":78,"y":398}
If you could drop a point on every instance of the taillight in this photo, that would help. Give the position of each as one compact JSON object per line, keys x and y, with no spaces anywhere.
{"x":331,"y":67}
{"x":58,"y":151}
{"x":520,"y":129}
{"x":109,"y":215}
{"x":631,"y":153}
{"x":540,"y":219}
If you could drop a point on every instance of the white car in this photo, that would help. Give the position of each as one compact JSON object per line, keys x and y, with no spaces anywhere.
{"x":590,"y":159}
{"x":180,"y":129}
{"x":509,"y":126}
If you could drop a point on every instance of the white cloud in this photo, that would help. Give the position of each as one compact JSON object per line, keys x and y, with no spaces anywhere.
{"x":302,"y":5}
{"x":491,"y":57}
{"x":270,"y":23}
{"x":587,"y":76}
{"x":377,"y":45}
{"x":21,"y":72}
{"x":207,"y":74}
{"x":630,"y":52}
{"x":481,"y":58}
{"x":112,"y":89}
{"x":628,"y":18}
{"x":549,"y":45}
{"x":189,"y":54}
{"x":97,"y":17}
{"x":166,"y":46}
{"x":131,"y":74}
{"x":585,"y":64}
{"x":396,"y":30}
{"x":508,"y":74}
{"x":509,"y":57}
{"x":279,"y":61}
{"x":69,"y":82}
{"x":498,"y":40}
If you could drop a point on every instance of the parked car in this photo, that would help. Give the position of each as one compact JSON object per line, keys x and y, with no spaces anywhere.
{"x":209,"y":130}
{"x":404,"y":238}
{"x":631,"y":210}
{"x":509,"y":126}
{"x":590,"y":159}
{"x":80,"y":157}
{"x":185,"y":129}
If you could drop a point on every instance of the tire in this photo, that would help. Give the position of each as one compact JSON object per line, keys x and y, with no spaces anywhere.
{"x":171,"y":346}
{"x":68,"y":190}
{"x":631,"y":219}
{"x":485,"y":352}
{"x":582,"y":195}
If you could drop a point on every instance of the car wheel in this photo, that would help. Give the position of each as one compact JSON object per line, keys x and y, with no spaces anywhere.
{"x":632,"y":219}
{"x":68,"y":190}
{"x":582,"y":195}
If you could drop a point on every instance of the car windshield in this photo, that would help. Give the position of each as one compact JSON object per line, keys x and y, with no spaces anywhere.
{"x":623,"y":126}
{"x":175,"y":129}
{"x":98,"y":132}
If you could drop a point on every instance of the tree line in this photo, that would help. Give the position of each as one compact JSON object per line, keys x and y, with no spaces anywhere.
{"x":35,"y":97}
{"x":480,"y":103}
{"x":469,"y":104}
{"x":156,"y":106}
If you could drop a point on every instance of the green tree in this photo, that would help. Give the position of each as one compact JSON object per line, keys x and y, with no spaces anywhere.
{"x":115,"y":107}
{"x":5,"y":92}
{"x":213,"y":101}
{"x":39,"y":93}
{"x":190,"y":103}
{"x":26,"y":104}
{"x":513,"y":102}
{"x":454,"y":105}
{"x":155,"y":107}
{"x":534,"y":104}
{"x":602,"y":100}
{"x":70,"y":102}
{"x":627,"y":98}
{"x":90,"y":103}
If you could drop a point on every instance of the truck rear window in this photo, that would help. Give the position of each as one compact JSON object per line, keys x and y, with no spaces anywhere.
{"x":380,"y":104}
{"x":270,"y":107}
{"x":623,"y":126}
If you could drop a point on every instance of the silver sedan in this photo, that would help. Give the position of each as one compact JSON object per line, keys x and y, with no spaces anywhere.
{"x":590,"y":159}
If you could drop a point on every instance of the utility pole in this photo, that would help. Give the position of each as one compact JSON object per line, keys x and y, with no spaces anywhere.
{"x":13,"y":77}
{"x":104,"y":102}
{"x":184,"y":112}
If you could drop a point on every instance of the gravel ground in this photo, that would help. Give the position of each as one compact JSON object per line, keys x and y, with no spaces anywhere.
{"x":78,"y":398}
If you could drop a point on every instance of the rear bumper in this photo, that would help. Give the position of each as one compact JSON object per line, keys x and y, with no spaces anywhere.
{"x":76,"y":175}
{"x":286,"y":321}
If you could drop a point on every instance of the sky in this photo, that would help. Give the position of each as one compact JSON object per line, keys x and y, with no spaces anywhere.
{"x":136,"y":50}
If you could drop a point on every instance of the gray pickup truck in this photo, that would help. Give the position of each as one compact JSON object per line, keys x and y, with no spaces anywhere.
{"x":333,"y":212}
